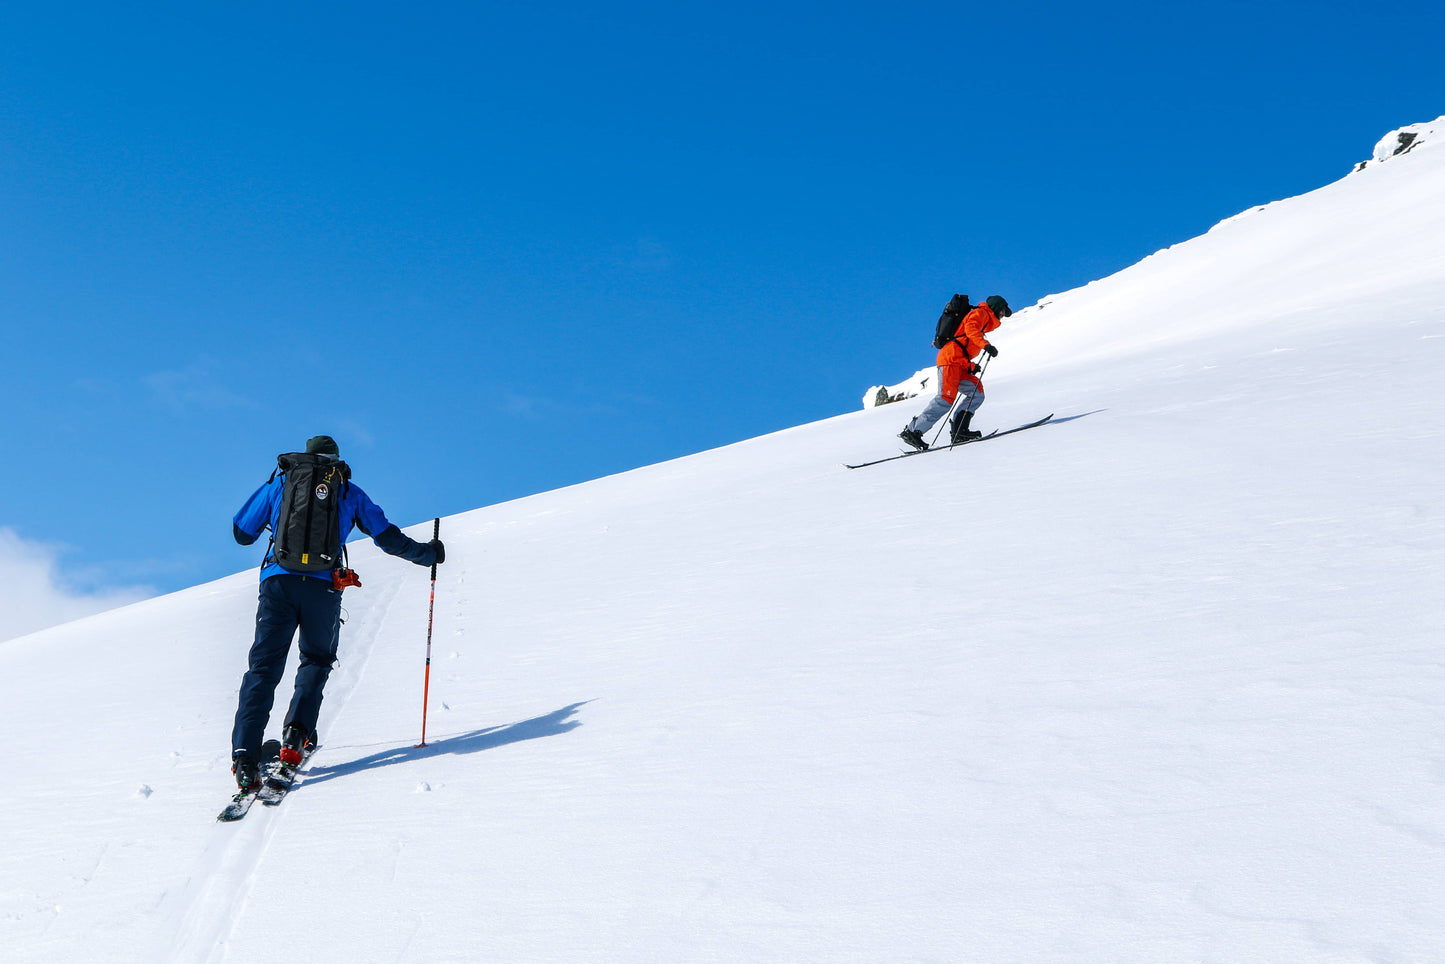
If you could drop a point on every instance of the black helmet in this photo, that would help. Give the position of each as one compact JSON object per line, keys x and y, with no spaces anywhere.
{"x":998,"y":306}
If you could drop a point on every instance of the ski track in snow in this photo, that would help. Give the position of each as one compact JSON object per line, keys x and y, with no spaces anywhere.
{"x":228,"y":868}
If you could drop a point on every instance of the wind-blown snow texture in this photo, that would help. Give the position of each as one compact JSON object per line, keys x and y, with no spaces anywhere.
{"x":1160,"y":682}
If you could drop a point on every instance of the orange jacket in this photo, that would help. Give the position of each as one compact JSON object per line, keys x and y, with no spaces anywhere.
{"x":970,"y":331}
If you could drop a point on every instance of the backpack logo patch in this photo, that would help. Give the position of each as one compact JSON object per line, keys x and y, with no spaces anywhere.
{"x":322,"y":492}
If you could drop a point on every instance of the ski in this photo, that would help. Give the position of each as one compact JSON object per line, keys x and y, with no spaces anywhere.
{"x":243,"y":799}
{"x":936,"y":448}
{"x":943,"y":448}
{"x":280,"y":778}
{"x":238,"y":806}
{"x":1017,"y":428}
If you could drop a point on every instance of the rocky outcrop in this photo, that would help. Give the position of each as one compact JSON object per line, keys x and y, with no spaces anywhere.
{"x":1402,"y":141}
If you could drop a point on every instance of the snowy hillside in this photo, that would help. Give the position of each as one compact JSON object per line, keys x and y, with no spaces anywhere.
{"x":1162,"y":681}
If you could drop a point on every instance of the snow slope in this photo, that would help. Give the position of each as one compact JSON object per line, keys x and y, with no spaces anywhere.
{"x":1160,"y":682}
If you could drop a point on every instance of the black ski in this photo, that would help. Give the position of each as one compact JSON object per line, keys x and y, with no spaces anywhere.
{"x":936,"y":448}
{"x":238,"y":806}
{"x":241,"y":802}
{"x":281,"y":777}
{"x":944,"y":448}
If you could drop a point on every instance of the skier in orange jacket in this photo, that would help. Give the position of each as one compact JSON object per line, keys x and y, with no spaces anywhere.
{"x":957,"y":372}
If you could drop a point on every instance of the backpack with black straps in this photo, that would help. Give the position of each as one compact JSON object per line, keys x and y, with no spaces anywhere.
{"x":308,"y":529}
{"x":948,"y":322}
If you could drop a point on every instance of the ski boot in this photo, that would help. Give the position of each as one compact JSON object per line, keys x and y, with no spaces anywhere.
{"x":248,"y":774}
{"x":913,"y":439}
{"x":295,"y":742}
{"x":959,"y":430}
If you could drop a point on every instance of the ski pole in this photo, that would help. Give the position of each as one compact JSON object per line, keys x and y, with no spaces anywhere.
{"x":436,"y":533}
{"x":949,"y":417}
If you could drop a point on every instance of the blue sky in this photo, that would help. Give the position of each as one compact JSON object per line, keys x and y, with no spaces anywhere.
{"x":498,"y":248}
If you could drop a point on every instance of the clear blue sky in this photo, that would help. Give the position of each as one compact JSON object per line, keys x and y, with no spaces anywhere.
{"x":498,"y":248}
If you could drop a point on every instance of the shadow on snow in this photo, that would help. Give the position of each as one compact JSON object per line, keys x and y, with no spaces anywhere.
{"x":552,"y":724}
{"x":1069,"y":418}
{"x":1058,"y":420}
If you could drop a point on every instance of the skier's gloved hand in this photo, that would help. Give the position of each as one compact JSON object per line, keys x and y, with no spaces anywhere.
{"x":441,"y":551}
{"x":992,"y":351}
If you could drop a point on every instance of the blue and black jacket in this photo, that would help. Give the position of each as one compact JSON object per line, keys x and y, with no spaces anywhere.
{"x":263,"y":509}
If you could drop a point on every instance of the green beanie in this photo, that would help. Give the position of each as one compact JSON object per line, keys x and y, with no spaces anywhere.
{"x":322,"y":445}
{"x":998,"y":306}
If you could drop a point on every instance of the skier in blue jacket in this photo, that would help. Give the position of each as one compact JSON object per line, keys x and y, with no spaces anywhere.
{"x":309,"y":601}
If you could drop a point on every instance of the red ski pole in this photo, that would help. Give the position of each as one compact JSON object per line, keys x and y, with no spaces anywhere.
{"x":430,"y":612}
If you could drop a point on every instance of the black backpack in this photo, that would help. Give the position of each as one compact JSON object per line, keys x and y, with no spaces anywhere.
{"x":948,"y":322}
{"x":308,"y":530}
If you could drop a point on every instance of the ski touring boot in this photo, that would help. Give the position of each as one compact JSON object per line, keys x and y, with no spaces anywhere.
{"x":295,"y":745}
{"x":914,"y":439}
{"x":959,"y":430}
{"x":296,"y":748}
{"x":251,"y":775}
{"x":247,"y":771}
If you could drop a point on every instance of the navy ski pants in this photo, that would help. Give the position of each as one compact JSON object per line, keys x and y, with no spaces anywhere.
{"x":288,"y":602}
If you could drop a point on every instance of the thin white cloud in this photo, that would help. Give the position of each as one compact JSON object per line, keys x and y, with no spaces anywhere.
{"x":197,"y":385}
{"x":34,"y":593}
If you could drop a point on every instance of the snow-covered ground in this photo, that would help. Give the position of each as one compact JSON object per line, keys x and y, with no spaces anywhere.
{"x":1162,"y":681}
